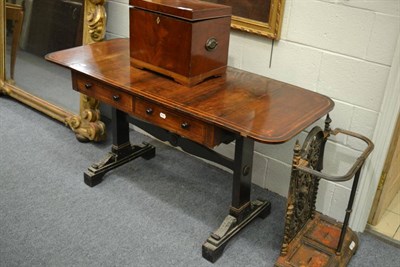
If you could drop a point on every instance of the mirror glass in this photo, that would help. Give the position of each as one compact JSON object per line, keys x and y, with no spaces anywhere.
{"x":48,"y":26}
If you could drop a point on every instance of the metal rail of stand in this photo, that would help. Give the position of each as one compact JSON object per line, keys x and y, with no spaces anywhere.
{"x":355,"y":167}
{"x":354,"y":171}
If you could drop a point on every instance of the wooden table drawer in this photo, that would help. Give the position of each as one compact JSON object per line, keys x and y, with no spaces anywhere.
{"x":186,"y":126}
{"x":102,"y":92}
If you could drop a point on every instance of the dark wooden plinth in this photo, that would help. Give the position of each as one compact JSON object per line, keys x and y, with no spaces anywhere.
{"x":214,"y":246}
{"x":94,"y":175}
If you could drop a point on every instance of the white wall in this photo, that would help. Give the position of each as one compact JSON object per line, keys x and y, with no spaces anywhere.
{"x":340,"y":48}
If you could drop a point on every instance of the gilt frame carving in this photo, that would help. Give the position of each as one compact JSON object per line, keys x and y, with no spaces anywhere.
{"x":86,"y":125}
{"x":270,"y":26}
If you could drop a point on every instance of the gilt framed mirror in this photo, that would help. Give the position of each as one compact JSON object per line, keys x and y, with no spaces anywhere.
{"x":262,"y":17}
{"x":30,"y":29}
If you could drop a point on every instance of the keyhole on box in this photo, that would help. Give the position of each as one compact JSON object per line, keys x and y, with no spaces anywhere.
{"x":158,"y":20}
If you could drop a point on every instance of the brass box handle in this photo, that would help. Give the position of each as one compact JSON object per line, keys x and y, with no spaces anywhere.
{"x":211,"y":44}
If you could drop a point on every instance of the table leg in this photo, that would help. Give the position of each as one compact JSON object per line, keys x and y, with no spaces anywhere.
{"x":121,"y":151}
{"x":14,"y":13}
{"x":242,"y":210}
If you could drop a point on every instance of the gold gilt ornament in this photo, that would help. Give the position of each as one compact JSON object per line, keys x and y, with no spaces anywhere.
{"x":87,"y":125}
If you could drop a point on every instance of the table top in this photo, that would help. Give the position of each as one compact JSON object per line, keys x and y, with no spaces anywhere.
{"x":266,"y":110}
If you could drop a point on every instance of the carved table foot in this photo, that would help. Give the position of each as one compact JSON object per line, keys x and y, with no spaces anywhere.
{"x":214,"y":246}
{"x":94,"y":175}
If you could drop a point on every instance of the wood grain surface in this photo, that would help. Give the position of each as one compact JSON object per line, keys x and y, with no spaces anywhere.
{"x":255,"y":106}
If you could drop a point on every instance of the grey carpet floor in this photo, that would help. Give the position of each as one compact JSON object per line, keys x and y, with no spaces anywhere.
{"x":146,"y":213}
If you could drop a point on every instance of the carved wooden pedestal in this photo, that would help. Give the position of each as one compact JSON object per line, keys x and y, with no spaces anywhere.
{"x":122,"y":151}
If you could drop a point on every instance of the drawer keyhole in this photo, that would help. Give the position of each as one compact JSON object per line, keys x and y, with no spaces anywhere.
{"x":116,"y":97}
{"x":149,"y":111}
{"x":88,"y":85}
{"x":185,"y":125}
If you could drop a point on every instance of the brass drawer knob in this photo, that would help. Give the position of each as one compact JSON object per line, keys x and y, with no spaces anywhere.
{"x":149,"y":111}
{"x":116,"y":97}
{"x":185,"y":125}
{"x":88,"y":85}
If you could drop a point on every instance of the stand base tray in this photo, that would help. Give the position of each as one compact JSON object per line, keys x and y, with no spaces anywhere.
{"x":315,"y":245}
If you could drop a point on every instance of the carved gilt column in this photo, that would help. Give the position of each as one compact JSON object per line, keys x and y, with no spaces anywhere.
{"x":87,"y":125}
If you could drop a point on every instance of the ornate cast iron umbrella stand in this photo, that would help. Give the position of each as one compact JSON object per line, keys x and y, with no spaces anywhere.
{"x":310,"y":238}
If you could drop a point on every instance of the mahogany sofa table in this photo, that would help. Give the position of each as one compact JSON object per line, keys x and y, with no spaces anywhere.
{"x":238,"y":106}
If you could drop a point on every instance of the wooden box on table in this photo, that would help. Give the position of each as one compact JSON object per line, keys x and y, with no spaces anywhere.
{"x":187,"y":40}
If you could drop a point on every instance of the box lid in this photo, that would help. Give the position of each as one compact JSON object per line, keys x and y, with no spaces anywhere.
{"x":185,"y":9}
